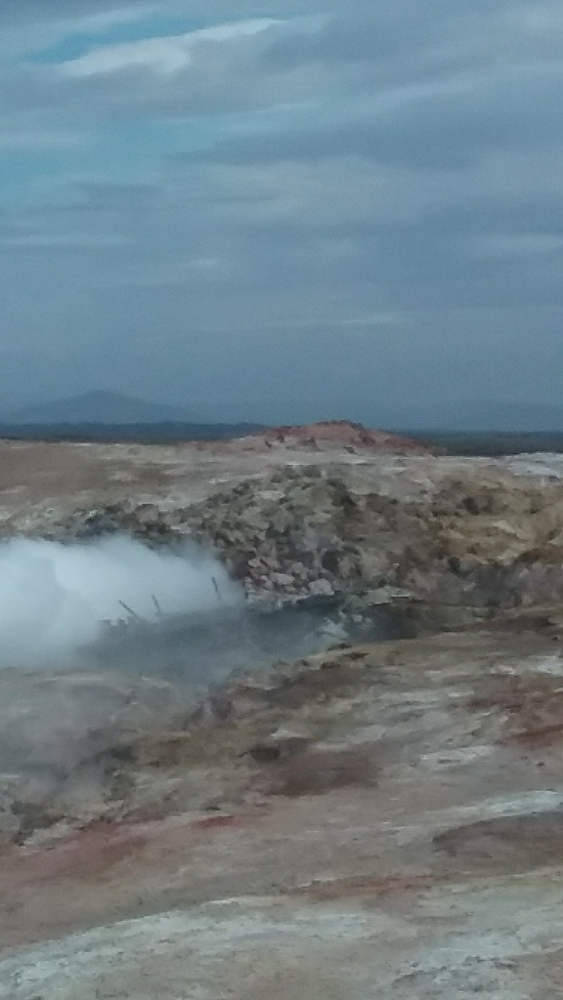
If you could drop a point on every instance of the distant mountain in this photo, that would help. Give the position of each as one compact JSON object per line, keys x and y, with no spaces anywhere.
{"x":100,"y":407}
{"x":104,"y":408}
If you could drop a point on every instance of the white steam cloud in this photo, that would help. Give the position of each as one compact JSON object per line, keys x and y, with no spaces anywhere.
{"x":54,"y":597}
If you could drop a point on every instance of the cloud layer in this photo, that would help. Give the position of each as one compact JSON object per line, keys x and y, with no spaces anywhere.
{"x":314,"y":212}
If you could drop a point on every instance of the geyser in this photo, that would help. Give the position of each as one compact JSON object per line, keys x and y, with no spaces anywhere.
{"x":54,"y":597}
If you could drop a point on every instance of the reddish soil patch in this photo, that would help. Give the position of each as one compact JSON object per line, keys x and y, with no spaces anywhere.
{"x":342,"y":433}
{"x":533,"y":706}
{"x":216,"y":822}
{"x":87,"y":854}
{"x":317,"y":771}
{"x":368,"y":886}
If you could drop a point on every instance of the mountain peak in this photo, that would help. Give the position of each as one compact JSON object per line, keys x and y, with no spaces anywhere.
{"x":99,"y":406}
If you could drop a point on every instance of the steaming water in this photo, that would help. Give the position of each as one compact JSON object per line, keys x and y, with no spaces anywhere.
{"x":53,"y":597}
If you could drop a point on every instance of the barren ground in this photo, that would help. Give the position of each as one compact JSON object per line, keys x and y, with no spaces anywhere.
{"x":378,"y":821}
{"x":37,"y":478}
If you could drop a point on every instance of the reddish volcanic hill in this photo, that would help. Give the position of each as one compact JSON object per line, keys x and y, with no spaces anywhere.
{"x":329,"y":434}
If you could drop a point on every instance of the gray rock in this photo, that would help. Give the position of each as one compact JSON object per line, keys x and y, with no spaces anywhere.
{"x":321,"y":588}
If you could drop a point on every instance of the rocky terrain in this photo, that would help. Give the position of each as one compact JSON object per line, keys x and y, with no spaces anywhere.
{"x":456,"y":537}
{"x":375,"y":819}
{"x":384,"y":817}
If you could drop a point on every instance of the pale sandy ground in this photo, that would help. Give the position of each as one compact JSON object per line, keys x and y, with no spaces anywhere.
{"x":41,"y":481}
{"x":408,"y":845}
{"x":413,"y":848}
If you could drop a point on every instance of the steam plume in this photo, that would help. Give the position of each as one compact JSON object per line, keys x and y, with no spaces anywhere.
{"x":53,"y":597}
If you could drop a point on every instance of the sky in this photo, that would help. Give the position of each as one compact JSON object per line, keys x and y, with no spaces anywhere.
{"x":282,"y":211}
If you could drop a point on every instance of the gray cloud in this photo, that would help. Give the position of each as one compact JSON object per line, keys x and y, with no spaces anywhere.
{"x":448,"y":126}
{"x":327,"y":215}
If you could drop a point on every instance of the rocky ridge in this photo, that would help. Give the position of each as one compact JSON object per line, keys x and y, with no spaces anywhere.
{"x":326,"y":435}
{"x":461,"y":551}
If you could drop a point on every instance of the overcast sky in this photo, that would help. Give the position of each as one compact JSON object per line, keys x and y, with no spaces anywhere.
{"x":316,"y":209}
